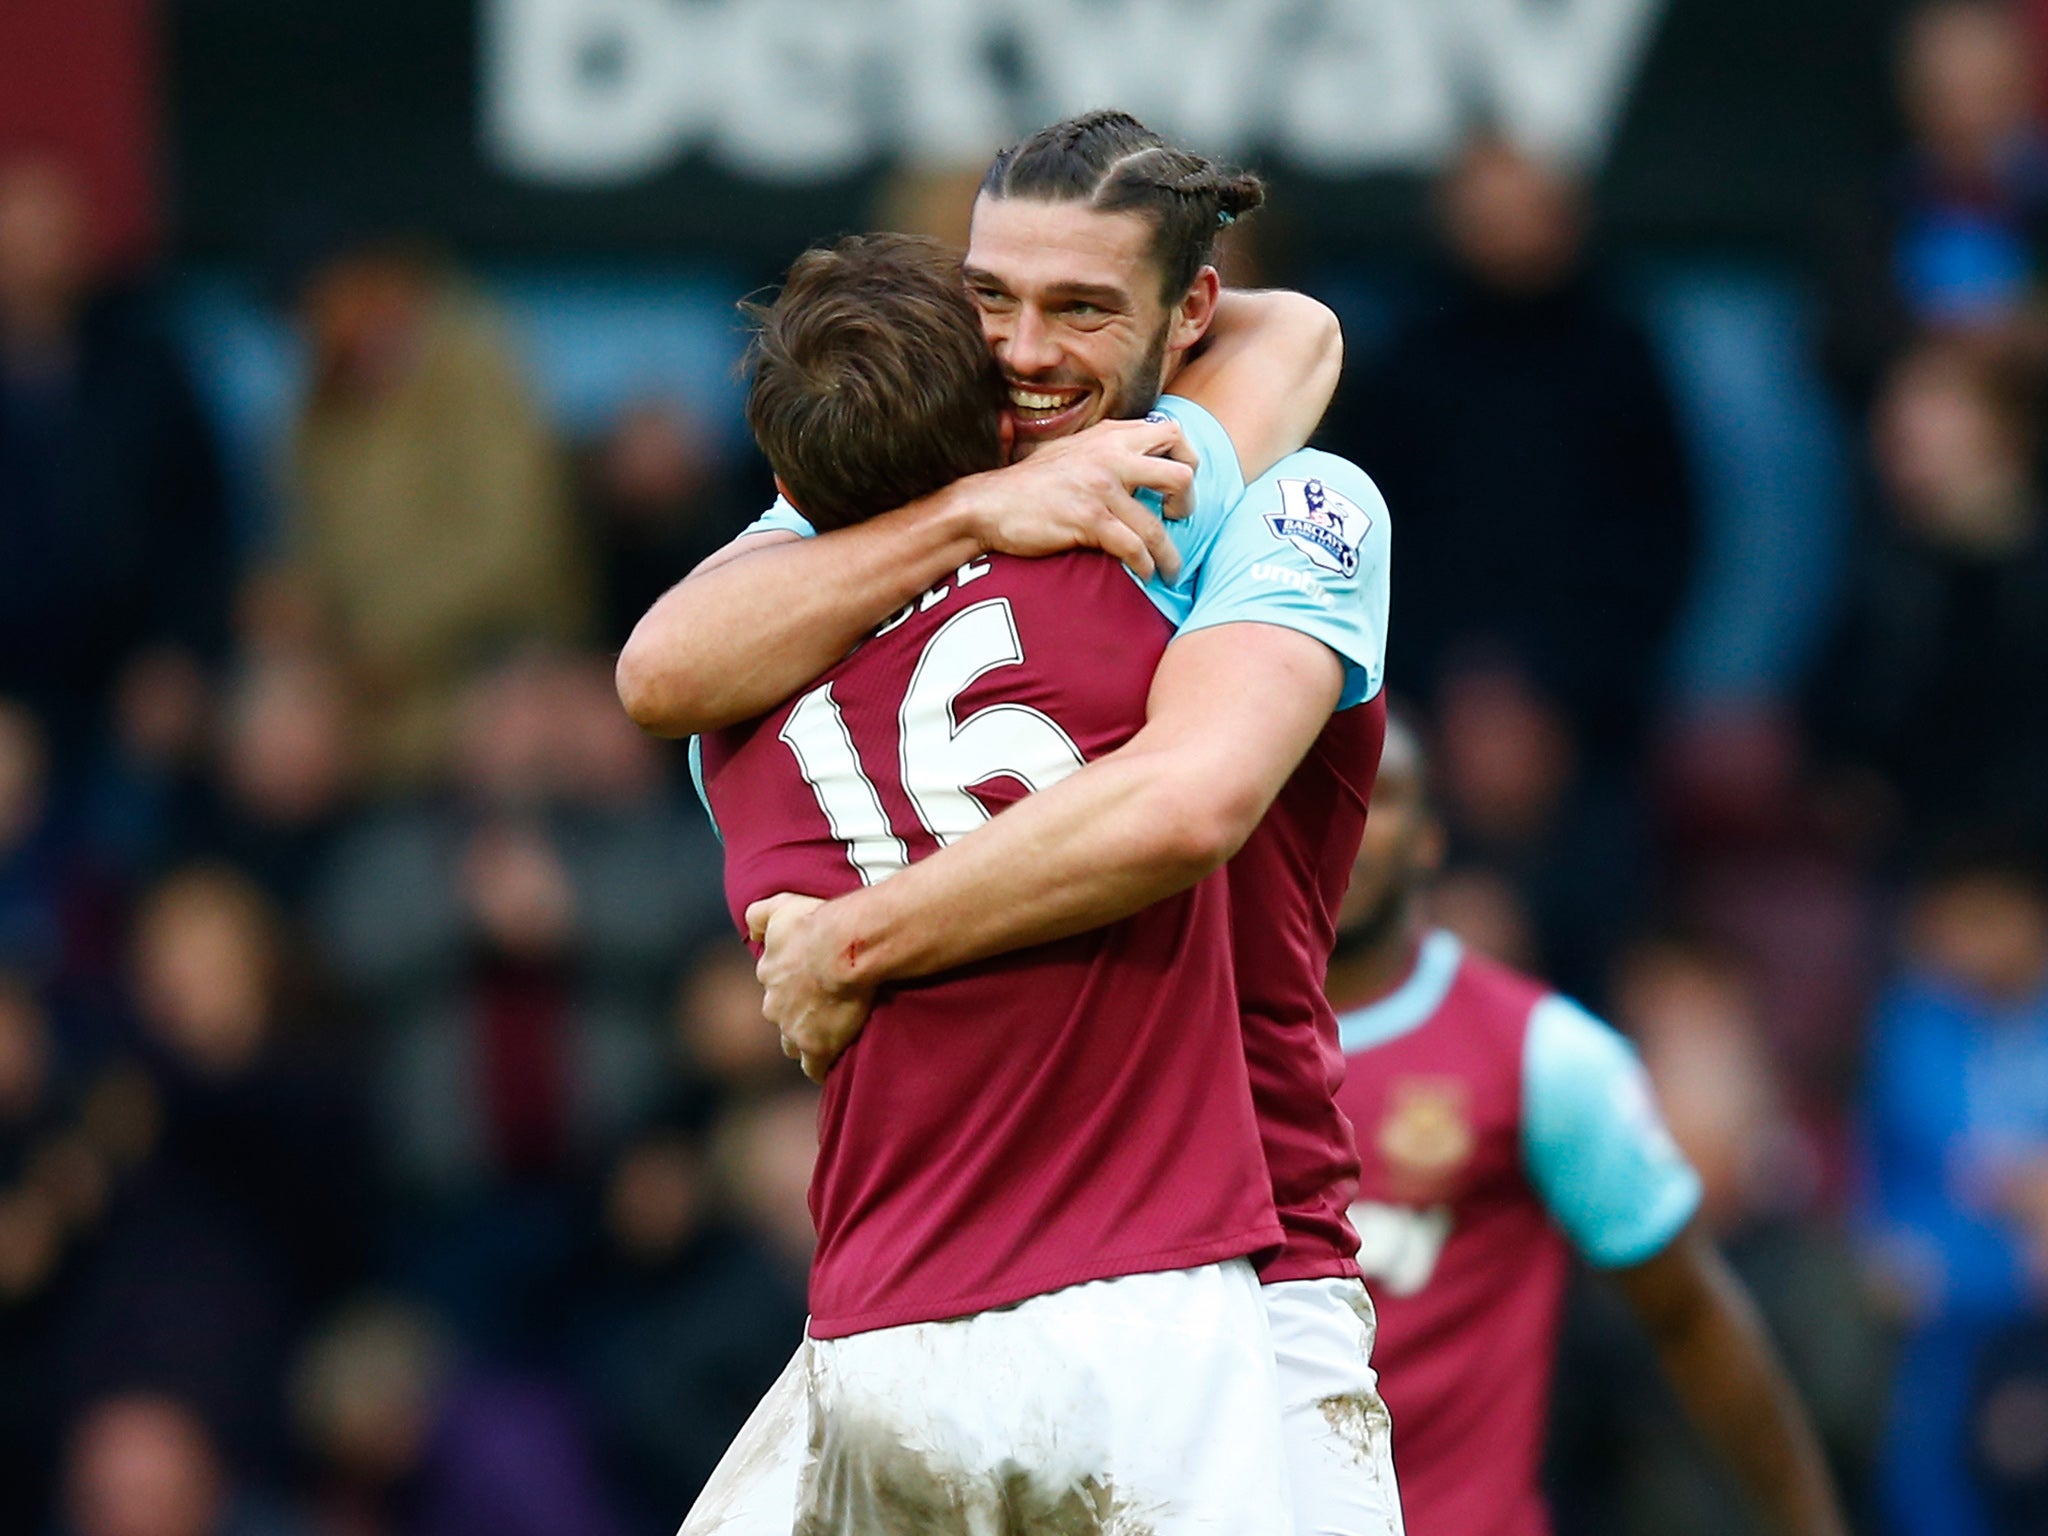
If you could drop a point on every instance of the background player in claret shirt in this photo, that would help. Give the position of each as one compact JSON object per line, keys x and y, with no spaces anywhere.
{"x":1088,"y":250}
{"x":1000,"y":1196}
{"x":1502,"y":1128}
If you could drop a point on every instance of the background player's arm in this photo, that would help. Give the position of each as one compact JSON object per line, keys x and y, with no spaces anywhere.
{"x":1598,"y":1152}
{"x":771,"y":612}
{"x":1267,"y":371}
{"x":1232,"y":712}
{"x":1720,"y":1363}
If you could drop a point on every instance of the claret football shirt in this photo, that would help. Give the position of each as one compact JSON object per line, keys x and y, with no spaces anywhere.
{"x":1306,"y":547}
{"x":1069,"y":1112}
{"x":1502,"y":1127}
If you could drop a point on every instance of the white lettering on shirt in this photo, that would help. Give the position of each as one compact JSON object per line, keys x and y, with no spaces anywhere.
{"x":1305,"y":584}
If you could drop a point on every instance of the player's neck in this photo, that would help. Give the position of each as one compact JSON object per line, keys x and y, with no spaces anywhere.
{"x":1375,"y":970}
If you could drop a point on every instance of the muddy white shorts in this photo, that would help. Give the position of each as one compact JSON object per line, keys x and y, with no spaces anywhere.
{"x":1339,"y":1444}
{"x":1147,"y":1402}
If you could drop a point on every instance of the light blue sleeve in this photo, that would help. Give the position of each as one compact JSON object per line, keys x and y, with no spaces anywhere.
{"x":1306,"y":548}
{"x":1596,"y":1147}
{"x":697,"y":783}
{"x":781,"y":518}
{"x":1219,"y":483}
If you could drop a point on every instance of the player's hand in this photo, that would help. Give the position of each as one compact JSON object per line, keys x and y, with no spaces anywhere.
{"x":818,"y":1016}
{"x":1078,"y":493}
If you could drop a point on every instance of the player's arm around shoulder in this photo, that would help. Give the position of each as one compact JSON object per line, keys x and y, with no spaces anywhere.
{"x":1273,"y":644}
{"x":1267,"y":371}
{"x":1287,"y":624}
{"x":767,"y":615}
{"x":1229,"y":716}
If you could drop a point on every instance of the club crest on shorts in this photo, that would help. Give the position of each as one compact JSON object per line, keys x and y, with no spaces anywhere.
{"x":1324,"y":525}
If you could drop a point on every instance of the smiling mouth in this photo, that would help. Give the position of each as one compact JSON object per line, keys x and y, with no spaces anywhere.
{"x":1036,"y":408}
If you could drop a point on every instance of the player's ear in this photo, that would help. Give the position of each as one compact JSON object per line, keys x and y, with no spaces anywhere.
{"x":782,"y":490}
{"x":1196,"y":311}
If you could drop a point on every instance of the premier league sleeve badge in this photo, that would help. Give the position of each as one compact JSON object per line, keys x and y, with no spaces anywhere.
{"x":1323,"y":524}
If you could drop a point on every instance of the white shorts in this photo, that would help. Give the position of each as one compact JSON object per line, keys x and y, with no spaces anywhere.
{"x":1145,"y":1402}
{"x":1339,"y":1440}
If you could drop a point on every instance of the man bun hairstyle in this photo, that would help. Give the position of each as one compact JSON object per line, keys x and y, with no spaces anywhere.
{"x":872,"y":385}
{"x":1114,"y":163}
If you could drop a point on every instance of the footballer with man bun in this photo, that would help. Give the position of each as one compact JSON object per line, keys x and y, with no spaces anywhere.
{"x":1044,"y":1171}
{"x":1089,"y":265}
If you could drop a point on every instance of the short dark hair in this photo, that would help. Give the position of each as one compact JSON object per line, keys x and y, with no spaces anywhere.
{"x":1115,"y":164}
{"x":872,"y":384}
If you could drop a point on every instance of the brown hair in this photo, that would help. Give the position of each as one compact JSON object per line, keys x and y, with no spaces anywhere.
{"x":872,"y":385}
{"x":1115,"y":164}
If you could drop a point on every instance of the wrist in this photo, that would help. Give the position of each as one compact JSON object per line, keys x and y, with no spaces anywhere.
{"x":847,"y":954}
{"x":960,"y":518}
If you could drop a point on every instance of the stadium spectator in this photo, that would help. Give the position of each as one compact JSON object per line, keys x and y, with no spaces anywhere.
{"x":660,"y":497}
{"x":249,"y":1214}
{"x":1944,"y":638}
{"x":1762,"y":855}
{"x":258,"y":1099}
{"x":1566,"y":843}
{"x":409,"y":1438}
{"x":1968,"y":238}
{"x":145,"y":1464}
{"x":111,"y":509}
{"x":1954,"y":238}
{"x":31,"y":853}
{"x":32,"y":1241}
{"x":152,"y":767}
{"x":430,"y":514}
{"x":59,"y":905}
{"x":285,"y":773}
{"x":516,"y":941}
{"x":680,"y":1318}
{"x":720,"y":1037}
{"x":763,"y":1149}
{"x":1625,"y":1457}
{"x":1525,"y":433}
{"x":70,"y":1126}
{"x":1957,"y":1107}
{"x":2009,"y":1447}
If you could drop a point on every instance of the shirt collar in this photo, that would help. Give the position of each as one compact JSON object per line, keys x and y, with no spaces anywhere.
{"x":1411,"y":1003}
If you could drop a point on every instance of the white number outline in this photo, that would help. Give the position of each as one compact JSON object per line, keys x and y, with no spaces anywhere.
{"x":817,"y":737}
{"x":940,"y":757}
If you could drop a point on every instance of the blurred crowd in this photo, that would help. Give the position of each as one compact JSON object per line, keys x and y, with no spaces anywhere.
{"x":389,"y":1141}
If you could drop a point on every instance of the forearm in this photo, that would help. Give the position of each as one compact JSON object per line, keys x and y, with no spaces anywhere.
{"x":1231,"y":714}
{"x":1099,"y":846}
{"x":740,"y":635}
{"x":1266,"y":371}
{"x":1720,"y":1362}
{"x":746,"y":630}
